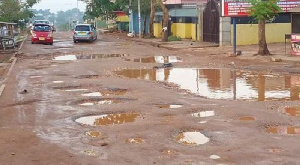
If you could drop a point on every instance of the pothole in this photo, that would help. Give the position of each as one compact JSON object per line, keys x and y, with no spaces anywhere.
{"x":247,"y":118}
{"x":108,"y":119}
{"x":293,"y":111}
{"x":171,"y":106}
{"x":192,"y":138}
{"x":135,"y":140}
{"x":70,"y":88}
{"x":223,"y":83}
{"x":204,"y":114}
{"x":214,"y":157}
{"x":86,"y":57}
{"x":93,"y":134}
{"x":88,"y":76}
{"x":58,"y":82}
{"x":157,"y":59}
{"x":284,"y":130}
{"x":107,"y":92}
{"x":101,"y":101}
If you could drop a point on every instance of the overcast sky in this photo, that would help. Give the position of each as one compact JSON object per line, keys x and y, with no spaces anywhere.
{"x":57,"y":5}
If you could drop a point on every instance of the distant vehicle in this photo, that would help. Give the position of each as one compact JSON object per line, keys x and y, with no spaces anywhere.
{"x":42,"y":33}
{"x":84,"y":32}
{"x":47,"y":22}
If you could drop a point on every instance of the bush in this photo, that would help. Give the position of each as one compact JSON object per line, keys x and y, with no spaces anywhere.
{"x":174,"y":38}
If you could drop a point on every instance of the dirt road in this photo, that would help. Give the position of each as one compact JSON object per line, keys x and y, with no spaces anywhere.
{"x":114,"y":102}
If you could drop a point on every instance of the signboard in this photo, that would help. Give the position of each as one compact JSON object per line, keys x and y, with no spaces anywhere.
{"x":295,"y":40}
{"x":240,"y":8}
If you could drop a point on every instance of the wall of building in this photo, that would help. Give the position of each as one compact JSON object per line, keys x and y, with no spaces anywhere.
{"x":247,"y":34}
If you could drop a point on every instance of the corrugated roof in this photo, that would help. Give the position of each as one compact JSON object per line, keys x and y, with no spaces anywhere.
{"x":180,"y":13}
{"x":295,"y":10}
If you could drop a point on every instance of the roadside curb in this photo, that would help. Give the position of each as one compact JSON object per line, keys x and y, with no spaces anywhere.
{"x":14,"y":60}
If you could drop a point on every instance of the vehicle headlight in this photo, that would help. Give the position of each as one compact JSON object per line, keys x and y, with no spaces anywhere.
{"x":50,"y":35}
{"x":33,"y":34}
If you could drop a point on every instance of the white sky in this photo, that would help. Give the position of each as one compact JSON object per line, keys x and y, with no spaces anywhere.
{"x":58,"y":5}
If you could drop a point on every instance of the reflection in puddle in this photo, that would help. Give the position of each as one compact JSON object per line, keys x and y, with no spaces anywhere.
{"x":57,"y":82}
{"x":224,"y":83}
{"x":65,"y":58}
{"x":35,"y":76}
{"x":247,"y":118}
{"x":284,"y":130}
{"x":293,"y":111}
{"x":95,"y":94}
{"x":108,"y":119}
{"x":100,"y":56}
{"x":75,"y":90}
{"x":204,"y":114}
{"x":101,"y":102}
{"x":214,"y":157}
{"x":135,"y":140}
{"x":172,"y":106}
{"x":193,"y":138}
{"x":93,"y":134}
{"x":158,"y":59}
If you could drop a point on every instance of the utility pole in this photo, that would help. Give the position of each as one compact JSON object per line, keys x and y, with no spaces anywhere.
{"x":139,"y":10}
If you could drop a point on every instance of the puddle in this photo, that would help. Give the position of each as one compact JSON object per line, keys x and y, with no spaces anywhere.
{"x":93,"y":94}
{"x":192,"y":138}
{"x":284,"y":130}
{"x":293,"y":111}
{"x":107,"y":119}
{"x":158,"y":59}
{"x":224,"y":83}
{"x":102,"y":101}
{"x":35,"y":77}
{"x":135,"y":140}
{"x":202,"y":122}
{"x":169,"y":152}
{"x":204,"y":114}
{"x":214,"y":157}
{"x":100,"y":56}
{"x":93,"y":134}
{"x":65,"y":58}
{"x":247,"y":118}
{"x":57,"y":82}
{"x":172,"y":106}
{"x":88,"y":77}
{"x":75,"y":90}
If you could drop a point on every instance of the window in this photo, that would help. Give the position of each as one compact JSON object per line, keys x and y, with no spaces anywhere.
{"x":82,"y":28}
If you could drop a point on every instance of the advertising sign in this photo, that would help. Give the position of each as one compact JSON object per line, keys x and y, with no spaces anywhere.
{"x":295,"y":40}
{"x":240,"y":8}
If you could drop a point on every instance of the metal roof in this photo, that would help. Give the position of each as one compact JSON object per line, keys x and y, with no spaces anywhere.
{"x":188,"y":12}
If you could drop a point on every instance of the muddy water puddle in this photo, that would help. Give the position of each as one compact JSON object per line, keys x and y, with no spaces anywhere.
{"x":101,"y":101}
{"x":86,"y":57}
{"x":108,"y":119}
{"x":93,"y":134}
{"x":170,"y":106}
{"x":192,"y":138}
{"x":224,"y":83}
{"x":284,"y":130}
{"x":293,"y":111}
{"x":157,"y":59}
{"x":204,"y":114}
{"x":107,"y":92}
{"x":135,"y":140}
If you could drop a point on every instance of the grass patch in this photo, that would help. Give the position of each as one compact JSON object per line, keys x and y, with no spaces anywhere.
{"x":174,"y":38}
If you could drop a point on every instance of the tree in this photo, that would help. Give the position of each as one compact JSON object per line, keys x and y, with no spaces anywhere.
{"x":151,"y":19}
{"x":165,"y":20}
{"x":263,"y":11}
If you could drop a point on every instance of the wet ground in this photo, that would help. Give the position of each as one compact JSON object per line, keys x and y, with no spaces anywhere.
{"x":114,"y":101}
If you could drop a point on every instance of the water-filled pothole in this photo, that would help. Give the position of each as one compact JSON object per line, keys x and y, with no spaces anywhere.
{"x":135,"y":140}
{"x":88,"y":76}
{"x":171,"y":106}
{"x":86,"y":57}
{"x":108,"y":119}
{"x":284,"y":130}
{"x":93,"y":134}
{"x":293,"y":111}
{"x":223,"y":83}
{"x":158,"y":59}
{"x":204,"y":114}
{"x":247,"y":118}
{"x":192,"y":138}
{"x":102,"y":101}
{"x":107,"y":92}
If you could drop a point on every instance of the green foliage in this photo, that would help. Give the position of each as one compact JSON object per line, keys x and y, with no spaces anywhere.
{"x":13,"y":11}
{"x":174,"y":38}
{"x":264,"y":10}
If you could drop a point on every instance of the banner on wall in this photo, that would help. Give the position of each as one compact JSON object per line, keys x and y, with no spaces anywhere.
{"x":295,"y":40}
{"x":240,"y":8}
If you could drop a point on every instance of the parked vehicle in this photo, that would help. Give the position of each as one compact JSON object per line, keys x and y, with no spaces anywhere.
{"x":42,"y":33}
{"x":84,"y":32}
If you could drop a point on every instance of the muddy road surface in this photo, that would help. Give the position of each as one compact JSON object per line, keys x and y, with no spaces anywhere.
{"x":114,"y":102}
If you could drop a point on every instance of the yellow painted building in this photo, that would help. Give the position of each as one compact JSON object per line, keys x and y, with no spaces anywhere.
{"x":247,"y":34}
